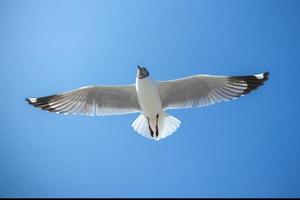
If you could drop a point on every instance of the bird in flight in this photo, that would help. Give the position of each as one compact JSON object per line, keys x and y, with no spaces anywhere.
{"x":151,"y":98}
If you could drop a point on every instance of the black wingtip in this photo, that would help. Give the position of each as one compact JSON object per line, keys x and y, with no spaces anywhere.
{"x":28,"y":100}
{"x":252,"y":81}
{"x":266,"y":75}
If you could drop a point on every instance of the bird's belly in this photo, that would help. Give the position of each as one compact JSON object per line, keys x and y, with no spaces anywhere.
{"x":149,"y":98}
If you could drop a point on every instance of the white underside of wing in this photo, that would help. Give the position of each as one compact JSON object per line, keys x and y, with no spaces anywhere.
{"x":91,"y":100}
{"x":204,"y":90}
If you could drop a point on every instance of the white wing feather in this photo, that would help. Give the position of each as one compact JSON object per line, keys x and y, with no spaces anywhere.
{"x":91,"y":100}
{"x":204,"y":90}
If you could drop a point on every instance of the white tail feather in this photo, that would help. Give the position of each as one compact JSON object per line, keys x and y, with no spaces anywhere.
{"x":167,"y":125}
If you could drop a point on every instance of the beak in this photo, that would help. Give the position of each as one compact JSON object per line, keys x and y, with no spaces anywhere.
{"x":139,"y":67}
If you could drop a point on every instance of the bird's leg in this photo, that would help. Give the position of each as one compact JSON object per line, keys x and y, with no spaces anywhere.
{"x":156,"y":127}
{"x":151,"y":132}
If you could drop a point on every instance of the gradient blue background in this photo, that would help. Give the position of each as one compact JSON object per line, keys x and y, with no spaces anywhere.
{"x":244,"y":148}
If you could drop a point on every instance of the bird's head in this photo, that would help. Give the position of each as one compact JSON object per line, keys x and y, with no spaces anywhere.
{"x":142,"y":72}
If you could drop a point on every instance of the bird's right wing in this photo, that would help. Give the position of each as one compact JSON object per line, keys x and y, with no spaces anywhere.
{"x":204,"y":90}
{"x":91,"y":100}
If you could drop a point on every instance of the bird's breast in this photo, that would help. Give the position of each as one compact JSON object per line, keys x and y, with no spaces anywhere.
{"x":148,"y":97}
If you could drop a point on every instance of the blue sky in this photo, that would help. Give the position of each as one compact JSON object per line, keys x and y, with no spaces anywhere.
{"x":244,"y":148}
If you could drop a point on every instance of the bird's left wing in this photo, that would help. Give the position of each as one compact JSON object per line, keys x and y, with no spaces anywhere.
{"x":204,"y":90}
{"x":91,"y":100}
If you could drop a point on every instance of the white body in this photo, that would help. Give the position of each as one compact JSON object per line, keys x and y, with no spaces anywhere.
{"x":148,"y":97}
{"x":151,"y":107}
{"x":149,"y":100}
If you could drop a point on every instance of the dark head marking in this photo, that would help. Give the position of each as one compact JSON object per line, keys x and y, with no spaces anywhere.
{"x":142,"y":72}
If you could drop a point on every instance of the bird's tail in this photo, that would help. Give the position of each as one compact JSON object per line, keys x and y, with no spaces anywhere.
{"x":166,"y":125}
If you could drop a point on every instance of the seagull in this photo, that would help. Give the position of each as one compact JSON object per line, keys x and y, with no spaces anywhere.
{"x":151,"y":99}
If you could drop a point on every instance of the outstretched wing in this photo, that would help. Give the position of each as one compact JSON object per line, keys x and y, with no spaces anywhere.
{"x":204,"y":90}
{"x":91,"y":100}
